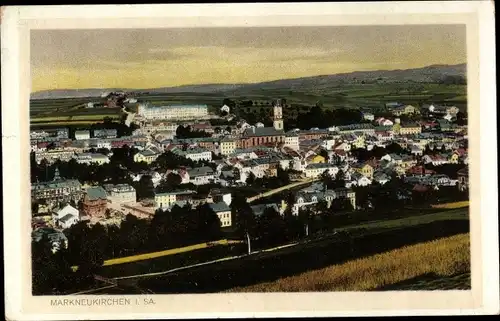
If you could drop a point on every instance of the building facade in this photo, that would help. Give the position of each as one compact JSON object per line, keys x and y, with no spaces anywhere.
{"x":261,"y":135}
{"x":95,"y":202}
{"x":227,"y":146}
{"x":57,"y":190}
{"x":278,"y":115}
{"x":121,"y":193}
{"x":173,"y":112}
{"x":82,"y":134}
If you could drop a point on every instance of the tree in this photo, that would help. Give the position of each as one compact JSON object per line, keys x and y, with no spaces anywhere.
{"x":395,"y":148}
{"x":327,"y":179}
{"x":51,"y":272}
{"x":144,"y":188}
{"x":244,"y":217}
{"x":271,"y":227}
{"x":338,"y":181}
{"x":250,"y":178}
{"x":305,"y":216}
{"x":283,"y":176}
{"x":208,"y":223}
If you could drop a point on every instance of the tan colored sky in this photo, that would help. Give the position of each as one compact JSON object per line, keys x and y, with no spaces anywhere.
{"x":152,"y":58}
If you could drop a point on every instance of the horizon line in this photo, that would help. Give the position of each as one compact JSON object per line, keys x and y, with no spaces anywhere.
{"x":248,"y":83}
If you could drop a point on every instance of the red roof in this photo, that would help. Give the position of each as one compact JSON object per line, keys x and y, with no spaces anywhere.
{"x":42,"y":144}
{"x":340,"y":152}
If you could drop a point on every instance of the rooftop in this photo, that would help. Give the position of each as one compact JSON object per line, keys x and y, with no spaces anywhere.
{"x":220,"y":207}
{"x":95,"y":193}
{"x":262,"y":131}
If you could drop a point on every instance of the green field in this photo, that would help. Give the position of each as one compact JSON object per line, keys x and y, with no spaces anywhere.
{"x":203,"y":255}
{"x":410,"y":221}
{"x":339,"y":96}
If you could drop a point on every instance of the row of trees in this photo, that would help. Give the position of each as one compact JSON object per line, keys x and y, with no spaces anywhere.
{"x":89,"y":246}
{"x":318,"y":117}
{"x":282,"y":178}
{"x":188,"y":132}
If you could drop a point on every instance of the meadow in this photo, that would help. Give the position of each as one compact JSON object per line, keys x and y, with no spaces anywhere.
{"x":447,"y":257}
{"x":363,"y":240}
{"x":353,"y":95}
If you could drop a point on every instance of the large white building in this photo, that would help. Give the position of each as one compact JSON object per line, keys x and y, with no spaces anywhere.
{"x":195,"y":154}
{"x":292,"y":141}
{"x":91,"y":158}
{"x":173,"y":112}
{"x":82,"y":134}
{"x":121,"y":193}
{"x":168,"y":199}
{"x":317,"y":169}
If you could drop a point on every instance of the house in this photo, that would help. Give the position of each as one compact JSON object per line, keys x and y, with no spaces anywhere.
{"x":368,"y":116}
{"x":220,"y":195}
{"x":105,"y":133}
{"x":392,"y":158}
{"x":201,"y":175}
{"x":195,"y":154}
{"x":52,"y":156}
{"x":259,"y":209}
{"x":120,"y":193}
{"x":407,"y":162}
{"x":435,"y":160}
{"x":292,"y":140}
{"x":419,"y":170}
{"x":440,"y":180}
{"x":345,"y":147}
{"x":225,"y":109}
{"x":95,"y":202}
{"x":358,"y":179}
{"x":168,"y":199}
{"x":316,"y":159}
{"x":381,"y":121}
{"x":454,"y":158}
{"x":223,"y":213}
{"x":364,"y":169}
{"x":148,"y":156}
{"x":317,"y":169}
{"x":381,"y":178}
{"x":410,"y":129}
{"x":327,"y":143}
{"x":91,"y":158}
{"x":227,"y":146}
{"x":416,"y":150}
{"x":404,"y":110}
{"x":82,"y":134}
{"x":66,"y":217}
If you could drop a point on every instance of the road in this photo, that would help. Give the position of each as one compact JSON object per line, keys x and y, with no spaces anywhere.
{"x":130,"y":117}
{"x":281,"y":189}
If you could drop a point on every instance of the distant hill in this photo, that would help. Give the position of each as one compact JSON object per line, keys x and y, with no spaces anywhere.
{"x":434,"y":73}
{"x":73,"y":93}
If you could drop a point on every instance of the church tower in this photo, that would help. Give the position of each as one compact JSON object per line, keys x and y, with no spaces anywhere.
{"x":57,"y":176}
{"x":278,"y":115}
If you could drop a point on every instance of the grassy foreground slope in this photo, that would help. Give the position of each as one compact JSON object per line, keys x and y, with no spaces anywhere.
{"x":443,"y":257}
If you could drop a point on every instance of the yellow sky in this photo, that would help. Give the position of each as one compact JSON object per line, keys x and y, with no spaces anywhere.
{"x":139,"y":58}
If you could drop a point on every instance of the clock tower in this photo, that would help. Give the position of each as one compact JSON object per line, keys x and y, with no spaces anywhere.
{"x":278,"y":115}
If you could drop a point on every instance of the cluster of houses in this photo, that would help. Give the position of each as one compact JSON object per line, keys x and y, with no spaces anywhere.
{"x":234,"y":153}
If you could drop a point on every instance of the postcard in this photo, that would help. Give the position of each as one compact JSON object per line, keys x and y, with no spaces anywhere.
{"x":249,"y":160}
